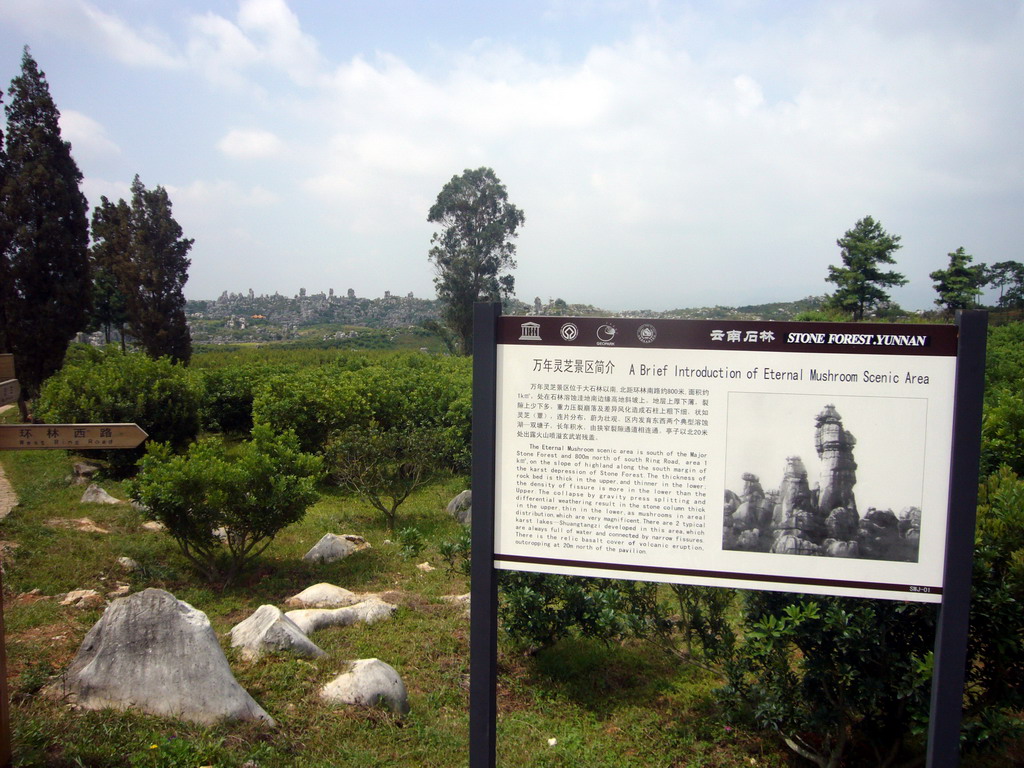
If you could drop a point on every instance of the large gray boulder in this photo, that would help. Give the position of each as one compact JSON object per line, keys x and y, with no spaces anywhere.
{"x":461,"y":507}
{"x":369,"y":611}
{"x":153,"y":652}
{"x":333,"y":547}
{"x":270,"y":631}
{"x":369,"y":683}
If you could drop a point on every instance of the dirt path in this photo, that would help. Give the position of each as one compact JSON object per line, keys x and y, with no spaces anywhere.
{"x":8,"y":498}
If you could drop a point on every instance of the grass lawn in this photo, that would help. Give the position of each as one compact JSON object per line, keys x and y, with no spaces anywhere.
{"x":579,"y":703}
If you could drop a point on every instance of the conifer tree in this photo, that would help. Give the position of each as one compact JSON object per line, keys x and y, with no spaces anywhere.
{"x":111,"y":246}
{"x":860,"y":282}
{"x":959,"y":286}
{"x":152,"y":277}
{"x":44,"y":236}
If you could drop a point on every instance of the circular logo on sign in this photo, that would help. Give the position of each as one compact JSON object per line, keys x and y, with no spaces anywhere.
{"x":570,"y":332}
{"x":646,"y":333}
{"x":606,"y":332}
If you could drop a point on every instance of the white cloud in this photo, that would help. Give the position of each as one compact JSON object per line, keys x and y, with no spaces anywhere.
{"x":85,"y":22}
{"x":250,"y":144}
{"x":265,"y":37}
{"x":89,"y":140}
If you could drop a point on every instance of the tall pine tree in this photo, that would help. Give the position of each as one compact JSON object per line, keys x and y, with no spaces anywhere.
{"x":153,"y":276}
{"x":45,"y":233}
{"x":111,"y":247}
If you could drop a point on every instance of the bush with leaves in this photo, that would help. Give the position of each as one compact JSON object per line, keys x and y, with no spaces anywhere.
{"x":227,"y":395}
{"x":540,"y":609}
{"x":995,"y":672}
{"x":222,"y":511}
{"x":312,"y":402}
{"x":384,"y":466}
{"x":97,"y":386}
{"x":833,"y":676}
{"x":396,"y":392}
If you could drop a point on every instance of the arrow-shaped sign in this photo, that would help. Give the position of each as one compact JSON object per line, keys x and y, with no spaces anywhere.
{"x":9,"y":391}
{"x":75,"y":437}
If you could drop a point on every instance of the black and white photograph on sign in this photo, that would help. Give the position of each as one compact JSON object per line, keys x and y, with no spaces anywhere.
{"x":825,"y":476}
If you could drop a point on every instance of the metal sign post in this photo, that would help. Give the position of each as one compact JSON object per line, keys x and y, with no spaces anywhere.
{"x":483,"y":630}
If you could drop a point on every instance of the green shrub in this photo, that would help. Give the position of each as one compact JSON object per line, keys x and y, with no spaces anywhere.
{"x":1002,"y":431}
{"x":386,"y":393}
{"x":224,"y":512}
{"x":384,"y":466}
{"x":227,"y":395}
{"x":832,"y":676}
{"x":539,"y":608}
{"x":110,"y":386}
{"x":313,"y":403}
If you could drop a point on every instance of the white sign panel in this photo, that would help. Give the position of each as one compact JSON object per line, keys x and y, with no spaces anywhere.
{"x":802,"y":457}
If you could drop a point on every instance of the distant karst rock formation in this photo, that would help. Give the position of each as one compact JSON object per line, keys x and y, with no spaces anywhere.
{"x":822,"y":521}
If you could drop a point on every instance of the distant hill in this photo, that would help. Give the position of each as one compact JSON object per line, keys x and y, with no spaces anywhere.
{"x":236,"y":317}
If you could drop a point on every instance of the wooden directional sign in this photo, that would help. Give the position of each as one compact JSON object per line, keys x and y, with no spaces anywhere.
{"x":6,"y":367}
{"x":75,"y":437}
{"x":9,"y":391}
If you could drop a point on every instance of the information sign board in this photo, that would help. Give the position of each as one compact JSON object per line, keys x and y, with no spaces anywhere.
{"x":6,"y":366}
{"x":78,"y":437}
{"x":790,"y":456}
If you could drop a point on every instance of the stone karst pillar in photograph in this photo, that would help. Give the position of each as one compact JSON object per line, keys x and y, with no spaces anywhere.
{"x":838,"y":469}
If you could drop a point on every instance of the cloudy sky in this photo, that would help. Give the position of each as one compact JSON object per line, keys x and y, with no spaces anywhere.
{"x":666,"y":154}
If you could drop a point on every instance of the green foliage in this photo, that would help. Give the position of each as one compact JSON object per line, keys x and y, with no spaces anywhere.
{"x":860,"y":283}
{"x":313,"y":402}
{"x":227,"y":396}
{"x":456,"y":551}
{"x":539,"y":609}
{"x":111,"y":386}
{"x":411,"y":541}
{"x":1002,"y":430}
{"x":393,"y":393}
{"x":1008,"y":276}
{"x":995,"y":680}
{"x":832,"y":675}
{"x":1004,"y":357}
{"x":44,"y":234}
{"x":473,"y":252}
{"x":153,"y":273}
{"x":384,"y":466}
{"x":959,"y":285}
{"x":111,"y":236}
{"x":227,"y":510}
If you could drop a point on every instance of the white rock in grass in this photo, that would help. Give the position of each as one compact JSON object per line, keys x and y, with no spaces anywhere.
{"x":323,"y":595}
{"x":83,"y":598}
{"x":369,"y":683}
{"x":153,"y":652}
{"x":96,"y":495}
{"x":332,"y":547}
{"x":270,"y":631}
{"x":369,"y":611}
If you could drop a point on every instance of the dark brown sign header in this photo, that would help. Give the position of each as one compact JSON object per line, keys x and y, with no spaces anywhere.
{"x":730,"y":335}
